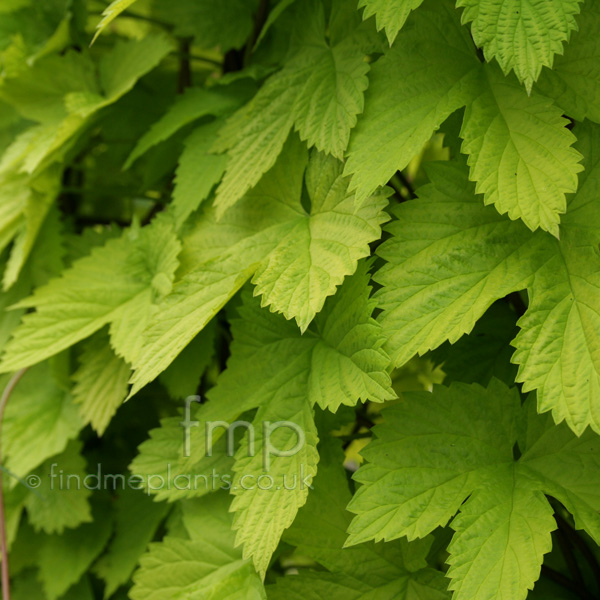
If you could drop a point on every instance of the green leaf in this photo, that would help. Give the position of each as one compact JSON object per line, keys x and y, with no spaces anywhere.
{"x":522,"y":36}
{"x":337,"y":361}
{"x":490,"y":258}
{"x":557,"y":352}
{"x":193,"y":104}
{"x":429,"y":73}
{"x":389,"y":15}
{"x":62,"y":93}
{"x":268,"y":496}
{"x":320,"y":91}
{"x":265,"y":234}
{"x":284,"y":374}
{"x":198,"y":171}
{"x":137,"y":519}
{"x":129,"y":60}
{"x":397,"y":570}
{"x":39,"y":421}
{"x":27,"y":203}
{"x":114,"y":284}
{"x":110,"y":13}
{"x":65,"y":558}
{"x":183,"y":375}
{"x":520,"y":152}
{"x":323,"y":247}
{"x":60,"y":502}
{"x":485,"y":352}
{"x":101,"y":383}
{"x":436,"y":454}
{"x":206,"y":566}
{"x":574,"y":80}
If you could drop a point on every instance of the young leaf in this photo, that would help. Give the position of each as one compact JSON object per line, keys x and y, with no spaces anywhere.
{"x":111,"y":12}
{"x":491,"y":257}
{"x":114,"y":284}
{"x":389,"y":15}
{"x":522,"y":36}
{"x":397,"y":570}
{"x":298,"y":257}
{"x":60,"y":502}
{"x":39,"y":421}
{"x":436,"y":454}
{"x":429,"y":73}
{"x":207,"y":565}
{"x":320,"y":91}
{"x":101,"y":383}
{"x":520,"y":152}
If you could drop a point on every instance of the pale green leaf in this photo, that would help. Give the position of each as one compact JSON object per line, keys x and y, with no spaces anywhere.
{"x":266,"y":233}
{"x":115,"y":283}
{"x":389,"y":15}
{"x":65,"y":558}
{"x":429,"y":73}
{"x":60,"y":502}
{"x":337,"y":361}
{"x":101,"y":383}
{"x":40,"y":419}
{"x":268,"y":495}
{"x":558,"y":352}
{"x":110,"y":13}
{"x":522,"y":36}
{"x":206,"y":566}
{"x":459,"y":257}
{"x":321,"y":248}
{"x":319,"y":91}
{"x":520,"y":152}
{"x":452,"y":451}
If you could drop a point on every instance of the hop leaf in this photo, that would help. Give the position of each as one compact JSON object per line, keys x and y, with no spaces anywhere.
{"x":437,"y":454}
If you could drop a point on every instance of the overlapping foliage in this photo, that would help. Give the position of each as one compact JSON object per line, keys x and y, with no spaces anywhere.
{"x":375,"y":221}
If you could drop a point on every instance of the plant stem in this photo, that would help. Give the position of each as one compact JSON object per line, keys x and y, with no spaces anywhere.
{"x":259,"y":22}
{"x":407,"y":184}
{"x":185,"y":69}
{"x":8,"y":390}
